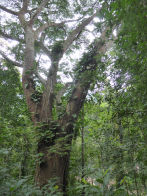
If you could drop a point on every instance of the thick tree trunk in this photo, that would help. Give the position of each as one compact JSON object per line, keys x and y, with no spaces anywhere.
{"x":53,"y":166}
{"x":28,"y":72}
{"x":54,"y":159}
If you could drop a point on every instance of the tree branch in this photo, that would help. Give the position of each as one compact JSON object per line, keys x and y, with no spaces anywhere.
{"x":43,"y":81}
{"x":22,"y":12}
{"x":11,"y":61}
{"x":8,"y":10}
{"x":45,"y":50}
{"x":51,"y":24}
{"x":4,"y":35}
{"x":48,"y":94}
{"x":38,"y":11}
{"x":25,"y":5}
{"x":62,"y":92}
{"x":84,"y":79}
{"x":30,"y":11}
{"x":75,"y":33}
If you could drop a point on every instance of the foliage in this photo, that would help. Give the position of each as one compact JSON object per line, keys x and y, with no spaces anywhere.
{"x":11,"y":96}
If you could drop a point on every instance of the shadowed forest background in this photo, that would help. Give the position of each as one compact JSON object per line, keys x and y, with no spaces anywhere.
{"x":73,"y":117}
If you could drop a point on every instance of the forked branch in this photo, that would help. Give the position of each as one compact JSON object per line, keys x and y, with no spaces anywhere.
{"x":38,"y":11}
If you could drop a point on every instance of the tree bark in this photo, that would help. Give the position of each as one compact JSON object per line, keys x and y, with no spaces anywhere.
{"x":54,"y":166}
{"x":55,"y":155}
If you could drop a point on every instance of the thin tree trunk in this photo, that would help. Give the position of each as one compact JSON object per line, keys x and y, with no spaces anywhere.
{"x":82,"y":152}
{"x":120,"y":174}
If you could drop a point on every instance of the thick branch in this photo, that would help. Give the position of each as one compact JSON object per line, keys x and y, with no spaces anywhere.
{"x":8,"y":10}
{"x":25,"y":5}
{"x":48,"y":94}
{"x":76,"y":32}
{"x":83,"y":81}
{"x":22,"y":12}
{"x":76,"y":101}
{"x":11,"y":61}
{"x":38,"y":11}
{"x":28,"y":72}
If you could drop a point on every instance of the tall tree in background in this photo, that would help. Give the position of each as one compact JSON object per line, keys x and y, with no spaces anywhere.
{"x":42,"y":27}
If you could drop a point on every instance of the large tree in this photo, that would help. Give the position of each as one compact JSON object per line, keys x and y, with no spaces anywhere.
{"x":45,"y":27}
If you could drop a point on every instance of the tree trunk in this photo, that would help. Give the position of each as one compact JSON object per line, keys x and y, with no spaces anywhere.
{"x":83,"y":152}
{"x":54,"y":166}
{"x":120,"y":157}
{"x":54,"y":158}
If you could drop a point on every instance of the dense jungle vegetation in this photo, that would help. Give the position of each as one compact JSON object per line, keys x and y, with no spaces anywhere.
{"x":73,"y":117}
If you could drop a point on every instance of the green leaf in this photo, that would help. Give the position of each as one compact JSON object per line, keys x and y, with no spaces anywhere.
{"x":99,"y":180}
